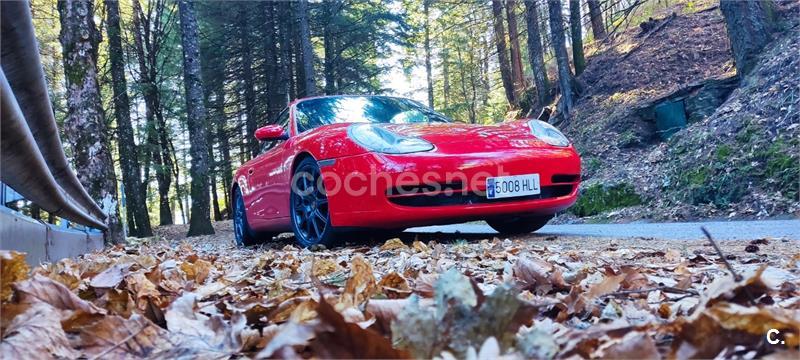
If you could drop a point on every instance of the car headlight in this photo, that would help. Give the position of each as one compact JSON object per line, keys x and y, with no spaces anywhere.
{"x":548,"y":133}
{"x":376,"y":138}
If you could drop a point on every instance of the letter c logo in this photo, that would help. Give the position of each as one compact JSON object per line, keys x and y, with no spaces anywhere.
{"x":772,"y":340}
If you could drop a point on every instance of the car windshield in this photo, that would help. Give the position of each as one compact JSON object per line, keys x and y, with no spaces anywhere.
{"x":312,"y":113}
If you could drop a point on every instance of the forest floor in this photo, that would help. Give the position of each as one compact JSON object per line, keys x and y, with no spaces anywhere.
{"x":450,"y":298}
{"x":741,"y":161}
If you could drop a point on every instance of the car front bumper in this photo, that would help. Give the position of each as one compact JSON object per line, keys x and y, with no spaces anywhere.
{"x":429,"y":188}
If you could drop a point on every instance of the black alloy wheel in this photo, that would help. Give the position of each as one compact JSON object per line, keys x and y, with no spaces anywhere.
{"x":310,"y":213}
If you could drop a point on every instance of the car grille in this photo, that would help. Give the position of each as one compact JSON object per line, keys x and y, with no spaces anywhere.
{"x":460,"y":198}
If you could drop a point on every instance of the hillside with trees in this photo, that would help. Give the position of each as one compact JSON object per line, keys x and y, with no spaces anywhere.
{"x":168,"y":94}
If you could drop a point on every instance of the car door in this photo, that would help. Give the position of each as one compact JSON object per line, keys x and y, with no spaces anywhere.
{"x":264,"y":175}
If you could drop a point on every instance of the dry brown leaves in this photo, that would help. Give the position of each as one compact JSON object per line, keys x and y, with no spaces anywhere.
{"x":480,"y":299}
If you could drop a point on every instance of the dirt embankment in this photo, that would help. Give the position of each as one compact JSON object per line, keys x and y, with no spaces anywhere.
{"x":737,"y":156}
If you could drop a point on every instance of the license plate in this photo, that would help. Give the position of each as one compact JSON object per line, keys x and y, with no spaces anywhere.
{"x":512,"y":186}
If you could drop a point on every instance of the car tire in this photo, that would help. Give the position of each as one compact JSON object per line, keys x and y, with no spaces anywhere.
{"x":519,"y":225}
{"x":243,"y":234}
{"x":309,"y":213}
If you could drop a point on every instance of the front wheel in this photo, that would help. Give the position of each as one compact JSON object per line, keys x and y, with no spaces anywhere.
{"x":519,"y":225}
{"x":311,"y":219}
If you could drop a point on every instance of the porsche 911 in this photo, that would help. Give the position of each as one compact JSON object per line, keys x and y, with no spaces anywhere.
{"x":336,"y":164}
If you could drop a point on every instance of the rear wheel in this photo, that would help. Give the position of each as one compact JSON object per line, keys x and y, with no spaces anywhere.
{"x":519,"y":225}
{"x":243,"y":234}
{"x":311,"y":220}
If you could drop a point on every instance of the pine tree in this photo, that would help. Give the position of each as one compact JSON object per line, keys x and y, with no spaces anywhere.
{"x":577,"y":36}
{"x":562,"y":59}
{"x":138,"y":218}
{"x":84,"y":127}
{"x":536,"y":53}
{"x":199,"y":222}
{"x":502,"y":54}
{"x":596,"y":18}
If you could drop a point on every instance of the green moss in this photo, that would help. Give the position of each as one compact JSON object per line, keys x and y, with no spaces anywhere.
{"x":598,"y":198}
{"x":780,"y":168}
{"x":703,"y":185}
{"x":628,"y":139}
{"x":723,"y":152}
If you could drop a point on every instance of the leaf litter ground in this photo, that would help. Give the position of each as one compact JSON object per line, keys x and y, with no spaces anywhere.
{"x":438,"y":296}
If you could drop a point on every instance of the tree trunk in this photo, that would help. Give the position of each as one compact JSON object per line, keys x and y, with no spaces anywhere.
{"x":577,"y":36}
{"x":426,"y":9}
{"x":596,"y":17}
{"x":562,"y":59}
{"x":251,"y":122}
{"x":749,"y":29}
{"x":517,"y":73}
{"x":446,"y":77}
{"x":536,"y":54}
{"x":84,"y":127}
{"x":138,"y":218}
{"x":502,"y":55}
{"x":147,"y":43}
{"x":274,"y":64}
{"x":287,"y":47}
{"x":199,"y":222}
{"x":329,"y":44}
{"x":306,"y":51}
{"x":224,"y":147}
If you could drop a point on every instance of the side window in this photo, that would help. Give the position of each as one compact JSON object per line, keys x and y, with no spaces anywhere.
{"x":283,"y":121}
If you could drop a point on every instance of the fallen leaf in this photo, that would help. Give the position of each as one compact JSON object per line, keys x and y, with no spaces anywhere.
{"x":339,"y":339}
{"x":40,"y":288}
{"x":360,"y":285}
{"x":197,"y":271}
{"x":111,"y":277}
{"x":393,"y":244}
{"x":13,"y":268}
{"x":395,"y":286}
{"x":36,"y":334}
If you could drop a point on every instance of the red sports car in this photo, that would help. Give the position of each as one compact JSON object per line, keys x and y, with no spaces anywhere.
{"x":341,"y":163}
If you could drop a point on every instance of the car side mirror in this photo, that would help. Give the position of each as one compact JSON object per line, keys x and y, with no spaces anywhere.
{"x":271,"y":133}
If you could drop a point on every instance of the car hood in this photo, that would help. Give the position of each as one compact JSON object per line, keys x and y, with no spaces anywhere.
{"x":470,"y":138}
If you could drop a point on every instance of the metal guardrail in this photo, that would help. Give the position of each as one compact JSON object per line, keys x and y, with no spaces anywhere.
{"x":32,"y":159}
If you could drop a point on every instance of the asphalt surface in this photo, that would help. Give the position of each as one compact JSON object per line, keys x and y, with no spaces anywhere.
{"x":720,"y":230}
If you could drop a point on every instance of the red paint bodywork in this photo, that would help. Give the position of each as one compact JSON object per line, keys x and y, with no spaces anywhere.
{"x":470,"y":149}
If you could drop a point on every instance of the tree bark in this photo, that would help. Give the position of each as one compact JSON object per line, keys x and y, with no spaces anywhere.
{"x":329,"y":44}
{"x":274,"y":64}
{"x":578,"y":61}
{"x":199,"y":221}
{"x":138,"y":218}
{"x":84,"y":127}
{"x":306,"y":51}
{"x":446,"y":77}
{"x":596,"y":17}
{"x":517,"y":73}
{"x":224,"y":147}
{"x":562,"y":59}
{"x":536,"y":53}
{"x":749,"y":29}
{"x":251,"y":123}
{"x":426,"y":10}
{"x":148,"y":34}
{"x":502,"y":55}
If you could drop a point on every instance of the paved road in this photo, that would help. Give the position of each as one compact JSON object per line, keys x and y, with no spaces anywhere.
{"x":721,"y":230}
